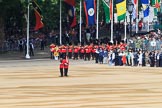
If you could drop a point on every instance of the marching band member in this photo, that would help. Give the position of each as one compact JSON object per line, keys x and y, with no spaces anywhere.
{"x":56,"y":52}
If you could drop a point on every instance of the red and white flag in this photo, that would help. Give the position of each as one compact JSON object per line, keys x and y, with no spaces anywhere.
{"x":135,"y":10}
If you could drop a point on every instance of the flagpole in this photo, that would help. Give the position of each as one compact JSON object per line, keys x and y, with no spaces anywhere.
{"x":112,"y":23}
{"x":27,"y":32}
{"x":148,"y":29}
{"x":136,"y":25}
{"x":80,"y":21}
{"x":97,"y":19}
{"x":137,"y":18}
{"x":125,"y":30}
{"x":60,"y":23}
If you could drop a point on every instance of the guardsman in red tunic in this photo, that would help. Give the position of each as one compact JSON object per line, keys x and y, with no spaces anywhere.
{"x":82,"y":52}
{"x":111,"y":47}
{"x":70,"y":50}
{"x":76,"y":50}
{"x":63,"y":51}
{"x":87,"y":53}
{"x":66,"y":66}
{"x":90,"y":51}
{"x":122,"y":46}
{"x":79,"y":47}
{"x":93,"y":52}
{"x":108,"y":47}
{"x":61,"y":67}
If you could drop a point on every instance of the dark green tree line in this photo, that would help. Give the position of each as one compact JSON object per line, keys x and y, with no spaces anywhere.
{"x":13,"y":22}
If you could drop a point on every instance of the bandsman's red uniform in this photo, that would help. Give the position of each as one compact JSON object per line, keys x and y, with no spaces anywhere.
{"x":63,"y":52}
{"x":111,"y":47}
{"x":90,"y":50}
{"x":76,"y":51}
{"x":82,"y":53}
{"x":122,"y":47}
{"x":66,"y":66}
{"x":70,"y":50}
{"x":87,"y":53}
{"x":61,"y":68}
{"x":94,"y":52}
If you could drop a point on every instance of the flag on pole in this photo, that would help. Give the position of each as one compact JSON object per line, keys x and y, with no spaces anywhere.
{"x":156,"y":5}
{"x":111,"y":10}
{"x":71,"y":12}
{"x":145,"y":7}
{"x":107,"y":9}
{"x":90,"y":11}
{"x":135,"y":10}
{"x":121,"y":9}
{"x":38,"y":14}
{"x":146,"y":11}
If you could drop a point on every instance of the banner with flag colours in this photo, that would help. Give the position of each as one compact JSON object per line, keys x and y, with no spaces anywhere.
{"x":145,"y":7}
{"x":71,"y":12}
{"x":90,"y":12}
{"x":121,"y":9}
{"x":39,"y":24}
{"x":107,"y":10}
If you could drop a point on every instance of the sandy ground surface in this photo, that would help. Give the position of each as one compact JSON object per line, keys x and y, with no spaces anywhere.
{"x":36,"y":84}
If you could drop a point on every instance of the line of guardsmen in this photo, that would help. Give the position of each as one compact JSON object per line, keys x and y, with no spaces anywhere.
{"x":86,"y":52}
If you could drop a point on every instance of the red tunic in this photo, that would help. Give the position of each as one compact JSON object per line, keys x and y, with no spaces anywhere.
{"x":63,"y":50}
{"x":76,"y":50}
{"x":66,"y":63}
{"x":70,"y":49}
{"x":61,"y":65}
{"x":87,"y":50}
{"x":81,"y":50}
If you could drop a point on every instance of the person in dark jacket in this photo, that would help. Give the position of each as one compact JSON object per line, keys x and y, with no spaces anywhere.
{"x":143,"y":59}
{"x":101,"y":54}
{"x":152,"y":58}
{"x":97,"y":55}
{"x":31,"y":48}
{"x":160,"y":60}
{"x":157,"y":56}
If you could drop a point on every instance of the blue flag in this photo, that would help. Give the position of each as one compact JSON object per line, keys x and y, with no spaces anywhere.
{"x":90,"y":11}
{"x":146,"y":12}
{"x":145,"y":7}
{"x":144,"y":1}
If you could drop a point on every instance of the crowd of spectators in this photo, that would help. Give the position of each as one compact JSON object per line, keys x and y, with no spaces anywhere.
{"x":136,"y":47}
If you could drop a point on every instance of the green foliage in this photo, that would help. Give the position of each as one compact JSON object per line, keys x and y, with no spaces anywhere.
{"x":12,"y":15}
{"x":13,"y":11}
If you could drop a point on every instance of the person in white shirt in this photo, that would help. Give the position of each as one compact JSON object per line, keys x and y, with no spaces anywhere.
{"x":140,"y":59}
{"x":153,"y":44}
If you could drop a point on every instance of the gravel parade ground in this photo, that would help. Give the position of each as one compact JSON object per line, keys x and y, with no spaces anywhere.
{"x":36,"y":84}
